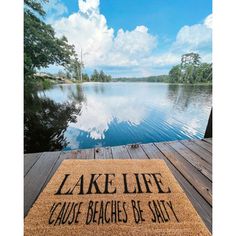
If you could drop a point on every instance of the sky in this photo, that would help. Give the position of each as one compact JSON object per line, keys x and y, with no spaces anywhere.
{"x":133,"y":38}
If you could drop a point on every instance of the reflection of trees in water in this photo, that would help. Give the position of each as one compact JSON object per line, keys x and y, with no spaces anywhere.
{"x":78,"y":94}
{"x":99,"y":88}
{"x":183,"y":95}
{"x":45,"y":123}
{"x":173,"y":93}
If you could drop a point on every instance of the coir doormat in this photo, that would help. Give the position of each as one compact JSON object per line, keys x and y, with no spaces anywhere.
{"x":113,"y":197}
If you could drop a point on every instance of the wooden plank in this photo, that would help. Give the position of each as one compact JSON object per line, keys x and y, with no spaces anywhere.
{"x":196,"y":178}
{"x":152,"y":151}
{"x":86,"y":154}
{"x":63,"y":156}
{"x":199,"y":203}
{"x":203,"y":166}
{"x":103,"y":153}
{"x":36,"y":177}
{"x":203,"y":144}
{"x":136,"y":152}
{"x":120,"y":152}
{"x":203,"y":153}
{"x":208,"y":140}
{"x":29,"y":160}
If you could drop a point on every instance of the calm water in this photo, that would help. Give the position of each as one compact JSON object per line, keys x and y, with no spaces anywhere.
{"x":108,"y":114}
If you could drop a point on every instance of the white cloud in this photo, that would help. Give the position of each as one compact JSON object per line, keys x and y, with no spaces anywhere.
{"x":134,"y":49}
{"x":190,"y":38}
{"x":87,"y":29}
{"x":111,"y":109}
{"x":208,"y":21}
{"x":54,"y":9}
{"x":88,"y":6}
{"x":194,"y":36}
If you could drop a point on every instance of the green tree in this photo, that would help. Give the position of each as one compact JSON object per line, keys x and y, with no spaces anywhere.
{"x":204,"y":73}
{"x":95,"y":76}
{"x":85,"y":77}
{"x":41,"y":46}
{"x":100,"y":77}
{"x":191,"y":70}
{"x":74,"y":68}
{"x":175,"y":73}
{"x":190,"y":58}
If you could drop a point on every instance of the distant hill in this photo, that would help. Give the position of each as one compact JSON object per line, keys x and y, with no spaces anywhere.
{"x":158,"y":78}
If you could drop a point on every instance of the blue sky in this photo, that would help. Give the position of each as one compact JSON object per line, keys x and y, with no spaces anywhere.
{"x":133,"y":37}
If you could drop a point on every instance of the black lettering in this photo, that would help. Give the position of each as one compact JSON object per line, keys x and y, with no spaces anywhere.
{"x":126,"y":216}
{"x":53,"y":208}
{"x":172,"y":209}
{"x":163,"y":204}
{"x":93,"y":182}
{"x":158,"y":214}
{"x":137,"y":211}
{"x":146,"y":182}
{"x":126,"y":185}
{"x":113,"y":211}
{"x":154,"y":219}
{"x":65,"y":218}
{"x":107,"y":183}
{"x":101,"y":214}
{"x":80,"y":183}
{"x":89,"y":213}
{"x":73,"y":214}
{"x":107,"y":220}
{"x":95,"y":211}
{"x":78,"y":212}
{"x":119,"y":211}
{"x":138,"y":183}
{"x":60,"y":215}
{"x":58,"y":192}
{"x":159,"y":183}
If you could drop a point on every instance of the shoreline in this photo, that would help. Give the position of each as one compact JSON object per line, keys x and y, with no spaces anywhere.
{"x":79,"y":82}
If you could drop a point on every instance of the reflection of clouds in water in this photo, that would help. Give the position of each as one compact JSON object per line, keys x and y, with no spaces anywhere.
{"x":185,"y":123}
{"x":133,"y":107}
{"x":129,"y":112}
{"x":97,"y":114}
{"x":192,"y":127}
{"x":71,"y":135}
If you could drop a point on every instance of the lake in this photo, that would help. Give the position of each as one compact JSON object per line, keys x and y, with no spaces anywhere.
{"x":87,"y":115}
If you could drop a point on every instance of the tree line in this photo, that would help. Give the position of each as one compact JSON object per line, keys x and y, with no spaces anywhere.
{"x":154,"y":78}
{"x":96,"y":76}
{"x":191,"y":70}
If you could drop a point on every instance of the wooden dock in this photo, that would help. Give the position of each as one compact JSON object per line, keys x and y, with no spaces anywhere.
{"x":190,"y":161}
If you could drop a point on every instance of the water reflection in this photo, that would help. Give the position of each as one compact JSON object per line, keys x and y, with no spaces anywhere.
{"x":45,"y":122}
{"x":108,"y":114}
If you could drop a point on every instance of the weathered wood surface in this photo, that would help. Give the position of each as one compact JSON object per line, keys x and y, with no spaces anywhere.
{"x":29,"y":161}
{"x":204,"y":145}
{"x":120,"y":152}
{"x":200,"y":164}
{"x":103,"y":153}
{"x":37,"y":176}
{"x":203,"y":153}
{"x":208,"y":140}
{"x":136,"y":152}
{"x":189,"y":161}
{"x":86,"y":154}
{"x":190,"y":172}
{"x":152,"y":152}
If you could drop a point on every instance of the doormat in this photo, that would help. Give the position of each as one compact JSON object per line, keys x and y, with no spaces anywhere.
{"x":113,"y":197}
